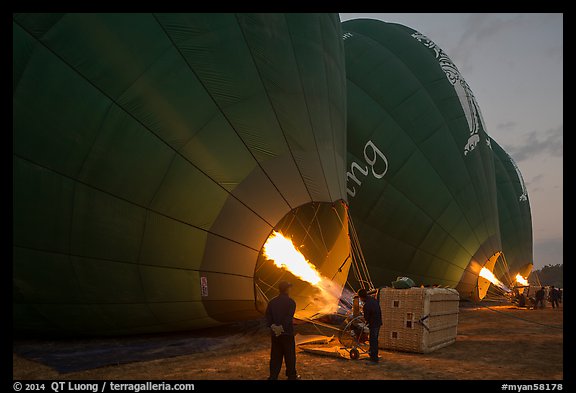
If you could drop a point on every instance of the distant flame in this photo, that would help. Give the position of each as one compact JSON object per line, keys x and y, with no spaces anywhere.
{"x":280,"y":250}
{"x":488,"y":275}
{"x":521,"y":280}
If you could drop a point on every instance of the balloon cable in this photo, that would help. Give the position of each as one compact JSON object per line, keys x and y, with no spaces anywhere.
{"x":523,"y":319}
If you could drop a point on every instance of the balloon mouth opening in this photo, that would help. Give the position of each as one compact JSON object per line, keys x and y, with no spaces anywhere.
{"x":488,"y":284}
{"x":309,"y":248}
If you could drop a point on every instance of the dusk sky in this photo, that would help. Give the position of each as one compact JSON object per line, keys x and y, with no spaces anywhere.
{"x":514,"y":65}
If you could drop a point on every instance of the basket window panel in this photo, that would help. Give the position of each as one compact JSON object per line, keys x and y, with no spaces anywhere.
{"x":409,"y":321}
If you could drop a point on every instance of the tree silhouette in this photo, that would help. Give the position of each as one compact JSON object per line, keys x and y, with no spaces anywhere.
{"x":548,"y":275}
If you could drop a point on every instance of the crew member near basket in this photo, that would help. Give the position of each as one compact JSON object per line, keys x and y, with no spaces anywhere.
{"x":373,"y":317}
{"x":279,"y":316}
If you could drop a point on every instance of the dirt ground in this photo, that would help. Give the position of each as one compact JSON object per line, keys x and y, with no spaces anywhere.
{"x":495,"y":343}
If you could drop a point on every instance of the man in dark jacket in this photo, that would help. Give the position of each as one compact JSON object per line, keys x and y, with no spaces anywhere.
{"x":554,"y":296}
{"x":279,"y":315}
{"x":539,"y":298}
{"x":373,"y":317}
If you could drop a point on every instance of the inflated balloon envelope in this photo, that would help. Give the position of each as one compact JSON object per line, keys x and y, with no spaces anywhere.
{"x":514,"y":215}
{"x":155,"y":153}
{"x":421,"y":174}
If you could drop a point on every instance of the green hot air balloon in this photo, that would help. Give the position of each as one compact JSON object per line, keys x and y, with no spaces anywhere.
{"x":514,"y":217}
{"x":155,"y":153}
{"x":420,"y":178}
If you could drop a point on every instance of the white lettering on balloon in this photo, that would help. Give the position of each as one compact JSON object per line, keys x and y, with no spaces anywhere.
{"x":465,"y":95}
{"x":524,"y":196}
{"x":376,"y":161}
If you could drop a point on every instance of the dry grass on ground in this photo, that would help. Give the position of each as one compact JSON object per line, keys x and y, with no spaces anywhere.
{"x":502,"y":342}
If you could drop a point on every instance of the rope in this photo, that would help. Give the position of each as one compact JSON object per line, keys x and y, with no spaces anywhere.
{"x":308,"y":227}
{"x":522,"y":319}
{"x":507,"y":276}
{"x":294,"y":212}
{"x":320,"y":323}
{"x":350,"y":285}
{"x":317,"y":209}
{"x":262,"y":293}
{"x":538,"y":279}
{"x":422,"y":322}
{"x":315,"y":324}
{"x":360,"y":268}
{"x":356,"y":243}
{"x":322,"y":235}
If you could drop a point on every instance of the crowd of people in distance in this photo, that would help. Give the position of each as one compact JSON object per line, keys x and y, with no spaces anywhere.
{"x":538,"y":301}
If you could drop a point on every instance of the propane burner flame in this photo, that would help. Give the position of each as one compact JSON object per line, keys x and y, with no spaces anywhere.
{"x":280,"y":250}
{"x":521,"y":280}
{"x":488,"y":275}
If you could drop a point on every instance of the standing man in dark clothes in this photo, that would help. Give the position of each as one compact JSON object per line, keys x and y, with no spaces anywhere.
{"x":373,"y":317}
{"x":279,"y":315}
{"x":521,"y":300}
{"x":539,"y":298}
{"x":554,"y":296}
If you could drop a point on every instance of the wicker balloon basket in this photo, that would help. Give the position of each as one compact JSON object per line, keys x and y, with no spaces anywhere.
{"x":418,"y":319}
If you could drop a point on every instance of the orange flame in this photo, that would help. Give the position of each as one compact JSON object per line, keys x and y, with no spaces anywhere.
{"x":488,"y":275}
{"x":280,"y":250}
{"x":521,"y":280}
